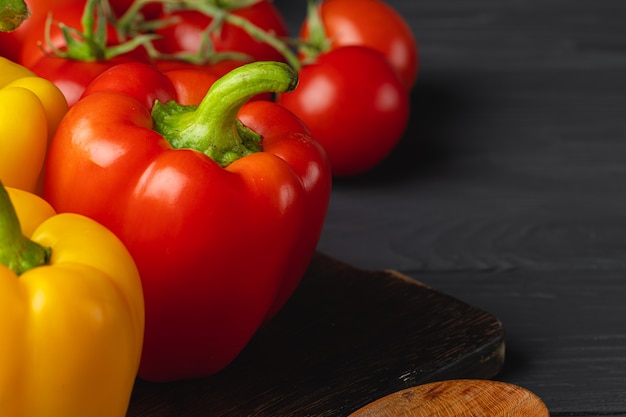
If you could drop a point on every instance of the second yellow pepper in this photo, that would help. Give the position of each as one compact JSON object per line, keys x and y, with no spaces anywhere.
{"x":30,"y":111}
{"x":72,"y":329}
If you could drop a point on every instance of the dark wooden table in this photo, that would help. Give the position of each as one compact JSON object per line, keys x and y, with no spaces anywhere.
{"x":508,"y":190}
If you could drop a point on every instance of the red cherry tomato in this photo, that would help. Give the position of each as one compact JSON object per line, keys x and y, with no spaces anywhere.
{"x":181,"y":72}
{"x":11,"y":43}
{"x":219,"y":69}
{"x":71,"y":76}
{"x":186,"y":35}
{"x":35,"y":44}
{"x":371,"y":23}
{"x":149,"y":10}
{"x":355,"y":105}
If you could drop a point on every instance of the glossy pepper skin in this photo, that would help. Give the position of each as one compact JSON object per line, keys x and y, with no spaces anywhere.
{"x":72,"y":322}
{"x":220,"y":246}
{"x":32,"y":108}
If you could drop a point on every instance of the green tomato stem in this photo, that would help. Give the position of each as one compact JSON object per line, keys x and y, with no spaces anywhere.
{"x":212,"y":127}
{"x":17,"y":251}
{"x":261,"y":35}
{"x":132,"y":22}
{"x":92,"y":43}
{"x":12,"y":14}
{"x":126,"y":24}
{"x":317,"y":42}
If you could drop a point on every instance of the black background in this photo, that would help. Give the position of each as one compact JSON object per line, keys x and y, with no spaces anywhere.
{"x":508,"y":189}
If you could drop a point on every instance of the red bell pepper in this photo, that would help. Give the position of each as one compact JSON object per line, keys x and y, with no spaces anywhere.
{"x":220,"y":204}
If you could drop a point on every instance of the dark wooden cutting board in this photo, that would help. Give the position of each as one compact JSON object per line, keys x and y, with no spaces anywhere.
{"x":347,"y":337}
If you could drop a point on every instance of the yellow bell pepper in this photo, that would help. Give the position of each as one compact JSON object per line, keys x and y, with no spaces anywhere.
{"x":30,"y":111}
{"x":72,"y":327}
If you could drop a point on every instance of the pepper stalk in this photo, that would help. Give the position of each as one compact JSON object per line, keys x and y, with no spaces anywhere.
{"x":212,"y":127}
{"x":17,"y":252}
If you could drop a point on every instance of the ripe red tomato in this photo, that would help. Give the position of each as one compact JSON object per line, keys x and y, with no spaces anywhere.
{"x":70,"y":76}
{"x":180,"y":73}
{"x":73,"y":76}
{"x":35,"y":44}
{"x":186,"y":35}
{"x":355,"y":105}
{"x":11,"y":43}
{"x":371,"y":23}
{"x":149,"y":10}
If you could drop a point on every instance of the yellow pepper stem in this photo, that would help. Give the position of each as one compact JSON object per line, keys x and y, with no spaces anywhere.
{"x":17,"y":251}
{"x":12,"y":14}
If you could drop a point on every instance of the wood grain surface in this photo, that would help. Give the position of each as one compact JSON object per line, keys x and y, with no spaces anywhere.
{"x":346,"y":338}
{"x":508,"y":190}
{"x":457,"y":398}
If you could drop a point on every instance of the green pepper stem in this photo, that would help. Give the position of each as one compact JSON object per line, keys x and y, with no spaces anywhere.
{"x":213,"y":127}
{"x":12,"y":14}
{"x":17,"y":251}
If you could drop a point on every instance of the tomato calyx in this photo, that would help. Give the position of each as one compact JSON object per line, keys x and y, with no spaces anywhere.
{"x":12,"y":14}
{"x":17,"y":252}
{"x":92,"y":43}
{"x":212,"y":127}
